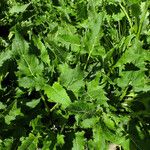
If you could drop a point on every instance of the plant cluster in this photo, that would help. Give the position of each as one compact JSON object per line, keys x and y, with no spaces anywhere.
{"x":74,"y":74}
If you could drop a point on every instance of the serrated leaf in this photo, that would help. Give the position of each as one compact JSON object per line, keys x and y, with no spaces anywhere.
{"x":115,"y":137}
{"x":78,"y":142}
{"x":33,"y":103}
{"x":57,"y":93}
{"x":60,"y":53}
{"x":18,"y":8}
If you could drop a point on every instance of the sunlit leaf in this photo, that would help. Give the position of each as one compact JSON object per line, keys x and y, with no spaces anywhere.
{"x":57,"y":93}
{"x":18,"y":8}
{"x":78,"y":142}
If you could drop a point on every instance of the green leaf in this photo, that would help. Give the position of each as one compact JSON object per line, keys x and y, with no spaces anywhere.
{"x":116,"y":137}
{"x":32,"y":83}
{"x":29,"y":66}
{"x":78,"y":142}
{"x":46,"y":144}
{"x":2,"y":106}
{"x":6,"y":144}
{"x":13,"y":113}
{"x":18,"y":8}
{"x":81,"y":108}
{"x":108,"y":122}
{"x":60,"y":139}
{"x":135,"y":78}
{"x":133,"y":1}
{"x":33,"y":103}
{"x":118,"y":16}
{"x":90,"y":122}
{"x":126,"y":144}
{"x":140,"y":56}
{"x":59,"y":52}
{"x":36,"y":123}
{"x":19,"y":45}
{"x":96,"y":92}
{"x":44,"y":52}
{"x":92,"y":37}
{"x":99,"y":138}
{"x":72,"y":79}
{"x":5,"y":55}
{"x":57,"y":93}
{"x":29,"y":143}
{"x":72,"y":40}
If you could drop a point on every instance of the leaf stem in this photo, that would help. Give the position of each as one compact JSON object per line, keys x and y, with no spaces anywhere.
{"x":143,"y":18}
{"x":43,"y":99}
{"x":125,"y":12}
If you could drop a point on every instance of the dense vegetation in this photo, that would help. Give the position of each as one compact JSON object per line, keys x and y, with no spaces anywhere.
{"x":74,"y":74}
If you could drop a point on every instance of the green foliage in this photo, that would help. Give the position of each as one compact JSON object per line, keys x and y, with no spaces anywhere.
{"x":74,"y":74}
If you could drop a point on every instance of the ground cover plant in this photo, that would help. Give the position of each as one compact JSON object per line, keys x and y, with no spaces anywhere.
{"x":74,"y":74}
